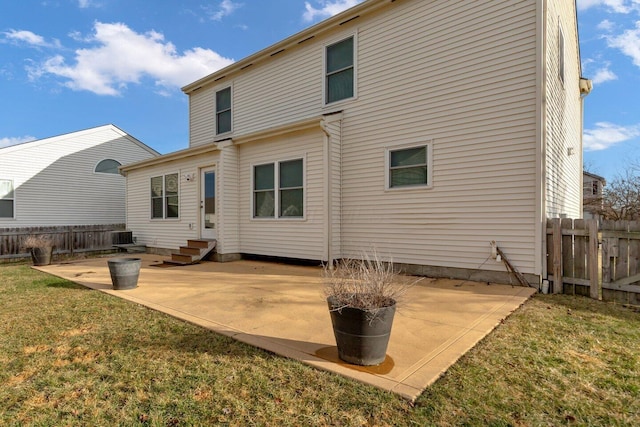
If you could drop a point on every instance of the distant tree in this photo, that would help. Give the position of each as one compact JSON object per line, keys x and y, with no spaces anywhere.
{"x":620,"y":198}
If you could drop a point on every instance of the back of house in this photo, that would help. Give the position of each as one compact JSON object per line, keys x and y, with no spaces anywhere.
{"x":422,"y":128}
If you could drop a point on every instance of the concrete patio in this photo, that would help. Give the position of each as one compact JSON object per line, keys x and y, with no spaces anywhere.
{"x":282,"y":309}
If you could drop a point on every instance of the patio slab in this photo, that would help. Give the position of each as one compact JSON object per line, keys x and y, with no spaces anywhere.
{"x":282,"y":309}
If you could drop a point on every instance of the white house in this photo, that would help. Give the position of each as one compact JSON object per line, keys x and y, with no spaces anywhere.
{"x":67,"y":180}
{"x":423,"y":128}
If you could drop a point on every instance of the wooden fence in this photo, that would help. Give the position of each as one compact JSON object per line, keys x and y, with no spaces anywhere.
{"x":597,"y":259}
{"x":66,"y":239}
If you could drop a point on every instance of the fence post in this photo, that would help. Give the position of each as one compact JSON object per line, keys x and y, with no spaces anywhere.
{"x":595,"y":261}
{"x":557,"y":256}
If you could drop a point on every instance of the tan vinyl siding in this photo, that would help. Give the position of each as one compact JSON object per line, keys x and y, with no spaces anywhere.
{"x":229,"y":202}
{"x":167,"y":233}
{"x":55,"y":183}
{"x":294,"y":238}
{"x":473,"y":95}
{"x":564,"y":171}
{"x":460,"y":76}
{"x":202,"y":128}
{"x":334,"y":205}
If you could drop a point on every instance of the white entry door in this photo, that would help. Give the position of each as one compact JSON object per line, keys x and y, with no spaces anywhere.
{"x":208,"y":203}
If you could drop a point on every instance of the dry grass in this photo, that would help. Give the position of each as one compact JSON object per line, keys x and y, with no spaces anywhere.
{"x":72,"y":356}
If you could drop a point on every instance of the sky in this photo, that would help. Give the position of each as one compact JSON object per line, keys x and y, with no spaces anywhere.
{"x":69,"y":65}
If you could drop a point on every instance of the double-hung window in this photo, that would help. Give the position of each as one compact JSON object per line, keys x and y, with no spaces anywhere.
{"x":264,"y":195}
{"x":223,"y":111}
{"x":278,"y":189}
{"x":409,"y":167}
{"x":164,"y":196}
{"x":7,"y":199}
{"x":340,"y":71}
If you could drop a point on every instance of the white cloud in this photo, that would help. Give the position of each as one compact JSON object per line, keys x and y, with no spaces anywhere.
{"x":326,"y":8}
{"x":604,"y":75}
{"x":29,"y":38}
{"x":120,"y":56}
{"x":598,"y":70}
{"x":607,"y":134}
{"x":226,"y":8}
{"x":617,"y":6}
{"x":606,"y":25}
{"x":628,"y":42}
{"x":7,"y":141}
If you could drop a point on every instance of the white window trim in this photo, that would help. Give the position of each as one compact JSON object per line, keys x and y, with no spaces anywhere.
{"x":215,"y":111}
{"x":164,"y":196}
{"x":408,"y":145}
{"x":276,"y":184}
{"x":355,"y":69}
{"x":13,"y":186}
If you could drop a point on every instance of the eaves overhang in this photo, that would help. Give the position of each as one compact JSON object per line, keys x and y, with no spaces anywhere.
{"x":291,"y":42}
{"x":176,"y":155}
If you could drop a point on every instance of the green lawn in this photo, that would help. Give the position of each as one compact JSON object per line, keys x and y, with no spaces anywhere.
{"x":72,"y":356}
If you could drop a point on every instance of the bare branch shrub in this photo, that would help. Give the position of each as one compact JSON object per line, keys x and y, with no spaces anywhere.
{"x":37,"y":241}
{"x":367,"y":284}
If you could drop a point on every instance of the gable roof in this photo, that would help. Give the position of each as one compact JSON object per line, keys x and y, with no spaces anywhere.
{"x":291,"y":42}
{"x":65,"y":136}
{"x":594,"y":176}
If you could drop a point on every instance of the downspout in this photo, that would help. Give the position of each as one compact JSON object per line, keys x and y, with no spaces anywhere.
{"x":541,"y":161}
{"x":586,"y":86}
{"x":327,"y":191}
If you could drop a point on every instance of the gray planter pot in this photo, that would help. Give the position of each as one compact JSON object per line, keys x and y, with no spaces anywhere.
{"x":124,"y":272}
{"x":362,"y":337}
{"x":41,"y":256}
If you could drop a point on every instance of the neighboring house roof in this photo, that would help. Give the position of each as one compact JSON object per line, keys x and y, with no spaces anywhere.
{"x":58,"y":138}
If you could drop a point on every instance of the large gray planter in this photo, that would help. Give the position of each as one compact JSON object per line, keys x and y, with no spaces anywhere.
{"x":124,"y":272}
{"x":362,"y":336}
{"x":41,"y":255}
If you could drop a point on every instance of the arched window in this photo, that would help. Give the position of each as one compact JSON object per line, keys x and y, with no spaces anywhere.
{"x":108,"y":166}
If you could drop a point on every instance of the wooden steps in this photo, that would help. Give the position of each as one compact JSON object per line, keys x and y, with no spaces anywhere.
{"x":193,"y":252}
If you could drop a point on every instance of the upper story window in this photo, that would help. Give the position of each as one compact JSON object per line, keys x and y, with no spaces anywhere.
{"x":340,"y":71}
{"x":164,"y":196}
{"x":7,"y":199}
{"x":591,"y":188}
{"x":287,"y":177}
{"x":409,"y":167}
{"x":108,"y":166}
{"x":561,"y":62}
{"x":223,"y":111}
